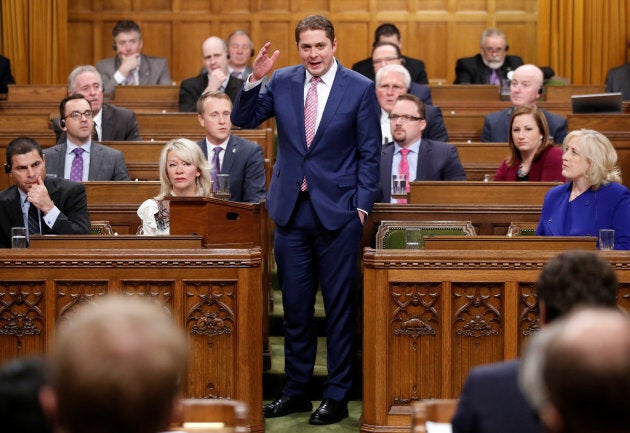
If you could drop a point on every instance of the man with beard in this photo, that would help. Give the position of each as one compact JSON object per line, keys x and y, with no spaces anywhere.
{"x":491,"y":65}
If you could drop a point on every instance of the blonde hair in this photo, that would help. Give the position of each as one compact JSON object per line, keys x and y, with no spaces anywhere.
{"x":600,"y":153}
{"x":189,"y":151}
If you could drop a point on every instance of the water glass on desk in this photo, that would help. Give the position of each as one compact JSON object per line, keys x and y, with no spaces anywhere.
{"x":18,"y":237}
{"x":223,"y":186}
{"x":606,"y":239}
{"x":399,"y":184}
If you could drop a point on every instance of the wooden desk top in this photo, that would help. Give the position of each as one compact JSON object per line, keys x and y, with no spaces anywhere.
{"x":76,"y":242}
{"x":540,"y":243}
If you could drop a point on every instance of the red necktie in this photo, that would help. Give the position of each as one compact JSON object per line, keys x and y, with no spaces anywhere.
{"x":310,"y":118}
{"x":403,"y":168}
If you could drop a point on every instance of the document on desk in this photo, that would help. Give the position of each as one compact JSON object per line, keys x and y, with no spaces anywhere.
{"x":438,"y":427}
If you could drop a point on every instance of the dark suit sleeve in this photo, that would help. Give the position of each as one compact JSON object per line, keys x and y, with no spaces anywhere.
{"x":465,"y":417}
{"x":462,"y":73}
{"x":132,"y":130}
{"x":436,"y":129}
{"x":453,"y":169}
{"x":486,"y":134}
{"x":252,"y":107}
{"x":187,"y":97}
{"x":72,"y":203}
{"x":254,"y":183}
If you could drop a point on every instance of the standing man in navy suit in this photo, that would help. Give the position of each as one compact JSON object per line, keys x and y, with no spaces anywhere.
{"x":241,"y":159}
{"x":324,"y":183}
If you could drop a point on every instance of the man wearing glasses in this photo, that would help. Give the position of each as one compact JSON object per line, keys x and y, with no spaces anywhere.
{"x":78,"y":158}
{"x":410,"y":155}
{"x":491,"y":65}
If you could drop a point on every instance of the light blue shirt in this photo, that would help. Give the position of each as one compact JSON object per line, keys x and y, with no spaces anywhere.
{"x":67,"y":168}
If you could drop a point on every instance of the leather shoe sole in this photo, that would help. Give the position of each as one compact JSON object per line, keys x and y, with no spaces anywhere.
{"x":286,"y":405}
{"x":329,"y":412}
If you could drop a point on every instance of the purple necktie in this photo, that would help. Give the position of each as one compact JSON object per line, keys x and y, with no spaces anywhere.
{"x":310,"y":118}
{"x":76,"y":171}
{"x":494,"y":78}
{"x":216,"y":167}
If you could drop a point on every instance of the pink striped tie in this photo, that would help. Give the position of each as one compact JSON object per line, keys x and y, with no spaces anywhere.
{"x":403,"y":168}
{"x":310,"y":118}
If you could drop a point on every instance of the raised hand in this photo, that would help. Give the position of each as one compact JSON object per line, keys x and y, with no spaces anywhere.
{"x":217,"y":77}
{"x":263,"y":63}
{"x":38,"y":196}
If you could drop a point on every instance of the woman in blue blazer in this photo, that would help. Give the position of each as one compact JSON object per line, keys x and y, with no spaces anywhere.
{"x":594,"y":198}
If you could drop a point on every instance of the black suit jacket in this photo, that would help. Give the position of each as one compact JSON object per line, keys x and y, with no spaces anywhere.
{"x":414,"y":66}
{"x":491,"y":402}
{"x":191,"y":89}
{"x":243,"y":161}
{"x":69,"y":197}
{"x":5,"y":74}
{"x":119,"y":124}
{"x":618,"y":80}
{"x":472,"y":70}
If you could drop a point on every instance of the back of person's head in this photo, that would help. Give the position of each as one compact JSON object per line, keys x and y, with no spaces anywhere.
{"x":78,"y":71}
{"x":20,"y":146}
{"x":599,"y":152}
{"x":189,"y":151}
{"x":21,"y":380}
{"x":385,"y":29}
{"x":126,"y":26}
{"x":117,"y":367}
{"x":315,"y":22}
{"x":575,"y":278}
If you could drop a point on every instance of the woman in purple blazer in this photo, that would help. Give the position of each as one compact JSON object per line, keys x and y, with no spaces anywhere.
{"x":594,"y":198}
{"x":533,"y":157}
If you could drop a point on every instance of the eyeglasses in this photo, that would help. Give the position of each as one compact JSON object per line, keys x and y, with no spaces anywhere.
{"x":384,"y":61}
{"x":490,"y":50}
{"x":76,"y":115}
{"x":404,"y":118}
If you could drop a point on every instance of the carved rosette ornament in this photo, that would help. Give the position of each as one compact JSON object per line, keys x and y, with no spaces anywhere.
{"x":477,"y":316}
{"x":211,"y":315}
{"x":415,"y":311}
{"x":21,"y":309}
{"x":528,"y":320}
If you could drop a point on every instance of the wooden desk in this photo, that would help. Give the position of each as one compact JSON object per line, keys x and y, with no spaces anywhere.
{"x":480,"y":159}
{"x":77,"y":242}
{"x":564,"y":93}
{"x":213,"y":294}
{"x":433,"y":315}
{"x":147,"y":98}
{"x":524,"y":243}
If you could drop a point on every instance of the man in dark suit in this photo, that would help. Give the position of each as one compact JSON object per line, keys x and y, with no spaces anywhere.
{"x":324,"y":183}
{"x":129,"y":67}
{"x":5,"y":74}
{"x":241,"y":159}
{"x":240,"y":51}
{"x":525,"y":88}
{"x":424,"y":159}
{"x":390,"y":33}
{"x":491,"y":401}
{"x":97,"y":162}
{"x":391,"y":82}
{"x":618,"y":80}
{"x":111,"y":123}
{"x":215,"y":76}
{"x":61,"y":205}
{"x":491,"y":65}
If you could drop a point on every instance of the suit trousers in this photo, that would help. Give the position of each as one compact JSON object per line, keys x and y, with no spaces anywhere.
{"x":308,"y":255}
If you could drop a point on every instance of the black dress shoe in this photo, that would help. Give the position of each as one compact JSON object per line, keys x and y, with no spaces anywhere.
{"x":286,"y":405}
{"x":329,"y":412}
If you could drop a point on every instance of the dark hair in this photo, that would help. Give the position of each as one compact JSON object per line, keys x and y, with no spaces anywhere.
{"x":386,"y":29}
{"x":543,"y":127}
{"x":416,"y":100}
{"x":20,"y":146}
{"x":125,"y":26}
{"x":315,"y":22}
{"x":20,"y":382}
{"x":215,"y":94}
{"x":64,"y":101}
{"x":387,"y":44}
{"x":574,"y":278}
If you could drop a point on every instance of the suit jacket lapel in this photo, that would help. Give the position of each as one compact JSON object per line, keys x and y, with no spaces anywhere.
{"x":424,"y":158}
{"x":387,"y":156}
{"x":230,"y":153}
{"x":58,"y":161}
{"x":145,"y":70}
{"x":94,"y":167}
{"x":335,"y":97}
{"x":557,"y":217}
{"x":107,"y":124}
{"x":297,"y":92}
{"x":17,"y":217}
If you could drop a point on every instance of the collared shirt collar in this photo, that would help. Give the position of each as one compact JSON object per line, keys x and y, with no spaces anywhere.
{"x":327,"y":78}
{"x":71,"y":146}
{"x":415,"y":147}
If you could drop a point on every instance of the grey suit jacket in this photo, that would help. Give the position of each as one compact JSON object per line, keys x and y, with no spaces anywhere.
{"x":153,"y":70}
{"x":436,"y":161}
{"x":119,"y":124}
{"x":496,"y":126}
{"x":105,"y":163}
{"x":243,"y":161}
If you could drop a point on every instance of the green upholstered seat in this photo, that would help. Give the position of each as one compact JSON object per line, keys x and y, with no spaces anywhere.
{"x":391,"y":234}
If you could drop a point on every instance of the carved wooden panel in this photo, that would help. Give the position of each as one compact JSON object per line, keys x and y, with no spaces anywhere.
{"x":72,"y":293}
{"x":22,"y":317}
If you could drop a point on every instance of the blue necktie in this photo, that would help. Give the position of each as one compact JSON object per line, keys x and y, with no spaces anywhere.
{"x":33,"y":221}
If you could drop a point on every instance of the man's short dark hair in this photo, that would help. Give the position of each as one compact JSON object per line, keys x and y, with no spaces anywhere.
{"x":315,"y":22}
{"x":387,"y":44}
{"x":574,"y":278}
{"x":64,"y":101}
{"x":386,"y":29}
{"x":415,"y":100}
{"x":20,"y":146}
{"x":125,"y":26}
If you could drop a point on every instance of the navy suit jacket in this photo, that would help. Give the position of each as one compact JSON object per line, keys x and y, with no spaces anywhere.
{"x":491,"y":402}
{"x":191,"y":89}
{"x":5,"y":74}
{"x":415,"y":67}
{"x":341,"y":164}
{"x":496,"y":126}
{"x":472,"y":70}
{"x":69,"y":197}
{"x":119,"y":124}
{"x":618,"y":80}
{"x":421,"y":91}
{"x":436,"y":161}
{"x":436,"y":128}
{"x":153,"y":70}
{"x":606,"y":208}
{"x":244,"y":162}
{"x":105,"y":163}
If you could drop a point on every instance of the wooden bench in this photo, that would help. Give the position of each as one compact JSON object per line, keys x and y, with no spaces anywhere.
{"x":34,"y":125}
{"x":480,"y":159}
{"x":463,"y":127}
{"x":147,"y":98}
{"x":564,"y":93}
{"x":33,"y":98}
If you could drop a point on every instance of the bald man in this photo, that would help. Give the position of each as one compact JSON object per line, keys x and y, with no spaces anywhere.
{"x":525,"y":88}
{"x":214,"y":77}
